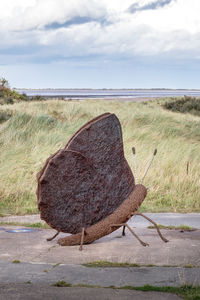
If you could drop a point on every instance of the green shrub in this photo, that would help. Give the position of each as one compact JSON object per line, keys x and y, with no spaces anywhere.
{"x":24,"y":97}
{"x":9,"y":100}
{"x":1,"y":94}
{"x":5,"y":115}
{"x":184,"y":105}
{"x":8,"y":96}
{"x":37,"y":98}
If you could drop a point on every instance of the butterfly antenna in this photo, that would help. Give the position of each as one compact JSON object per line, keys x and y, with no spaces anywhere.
{"x":147,"y":169}
{"x":135,"y":165}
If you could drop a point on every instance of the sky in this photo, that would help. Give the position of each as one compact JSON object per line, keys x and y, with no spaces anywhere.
{"x":100,"y":44}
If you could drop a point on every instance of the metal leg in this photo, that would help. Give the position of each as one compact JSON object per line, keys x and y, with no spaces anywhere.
{"x":133,"y":233}
{"x":82,"y":239}
{"x":123,"y":231}
{"x":156,"y":226}
{"x":53,"y":237}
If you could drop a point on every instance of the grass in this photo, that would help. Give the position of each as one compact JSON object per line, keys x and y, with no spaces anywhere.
{"x":56,"y":265}
{"x":188,"y":292}
{"x":181,"y":227}
{"x":33,"y":225}
{"x":32,"y":131}
{"x":16,"y":261}
{"x":108,"y":264}
{"x":62,"y":283}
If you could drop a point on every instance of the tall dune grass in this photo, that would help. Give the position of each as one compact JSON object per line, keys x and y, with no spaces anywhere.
{"x":31,"y":132}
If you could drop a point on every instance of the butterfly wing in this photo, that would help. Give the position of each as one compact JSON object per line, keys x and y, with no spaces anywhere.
{"x":88,"y":179}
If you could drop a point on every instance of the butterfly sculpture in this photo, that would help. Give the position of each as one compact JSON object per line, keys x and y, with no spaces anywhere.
{"x":87,"y":188}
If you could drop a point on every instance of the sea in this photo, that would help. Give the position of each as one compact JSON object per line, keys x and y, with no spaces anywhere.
{"x":109,"y":93}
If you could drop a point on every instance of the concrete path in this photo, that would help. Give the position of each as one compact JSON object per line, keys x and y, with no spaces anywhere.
{"x":176,"y":219}
{"x":182,"y":249}
{"x":46,"y":292}
{"x":105,"y":277}
{"x":43,"y":263}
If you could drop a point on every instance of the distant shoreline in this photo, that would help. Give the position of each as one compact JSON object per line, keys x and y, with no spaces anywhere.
{"x":104,"y":89}
{"x":109,"y":94}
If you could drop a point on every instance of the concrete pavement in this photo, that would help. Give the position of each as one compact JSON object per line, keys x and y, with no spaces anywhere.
{"x":40,"y":273}
{"x":182,"y":249}
{"x":46,"y":292}
{"x":176,"y":219}
{"x":43,"y":263}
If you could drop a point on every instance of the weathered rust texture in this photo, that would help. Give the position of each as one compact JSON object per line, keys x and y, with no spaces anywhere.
{"x":86,"y":181}
{"x":103,"y":227}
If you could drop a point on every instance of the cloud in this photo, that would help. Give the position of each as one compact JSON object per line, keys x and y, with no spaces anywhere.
{"x":149,"y":6}
{"x":52,"y":30}
{"x":74,"y":21}
{"x":42,"y":13}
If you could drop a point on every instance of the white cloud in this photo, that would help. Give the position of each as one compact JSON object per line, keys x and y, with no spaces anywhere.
{"x":9,"y":7}
{"x":173,"y":28}
{"x":179,"y":15}
{"x":26,"y":15}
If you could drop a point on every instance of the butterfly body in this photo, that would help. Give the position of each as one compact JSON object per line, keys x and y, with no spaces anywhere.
{"x":104,"y":227}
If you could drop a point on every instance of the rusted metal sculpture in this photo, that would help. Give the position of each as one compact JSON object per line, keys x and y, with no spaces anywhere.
{"x":87,"y":189}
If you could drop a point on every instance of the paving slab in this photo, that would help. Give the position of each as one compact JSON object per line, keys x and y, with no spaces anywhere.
{"x":182,"y":249}
{"x":32,"y":292}
{"x":105,"y":277}
{"x":167,"y":219}
{"x":176,"y":219}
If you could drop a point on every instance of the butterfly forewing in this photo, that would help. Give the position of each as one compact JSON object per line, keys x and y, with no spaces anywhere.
{"x":87,"y":180}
